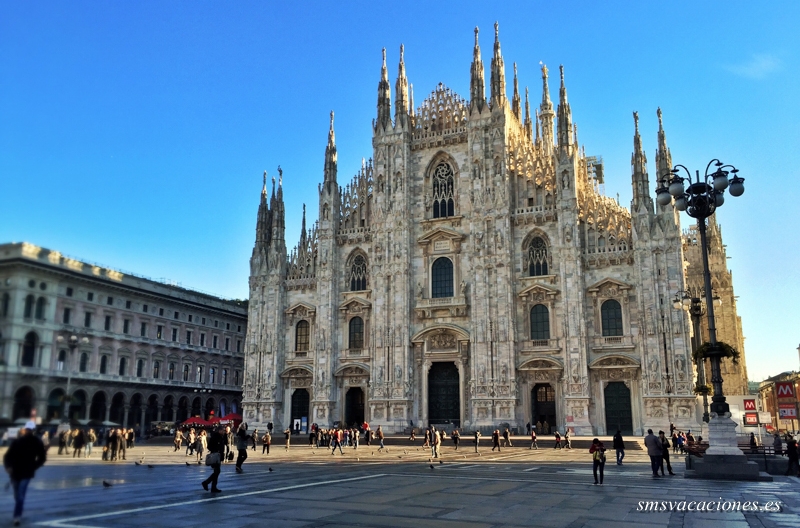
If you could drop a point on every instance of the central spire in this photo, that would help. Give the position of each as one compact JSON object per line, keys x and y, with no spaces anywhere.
{"x":642,"y":202}
{"x":546,"y":112}
{"x":498,"y":79}
{"x":564,"y":116}
{"x":477,"y":86}
{"x":384,"y":98}
{"x":329,"y":170}
{"x":515,"y":100}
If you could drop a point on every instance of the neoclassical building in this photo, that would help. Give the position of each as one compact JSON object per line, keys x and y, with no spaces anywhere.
{"x":472,"y":273}
{"x":105,"y":345}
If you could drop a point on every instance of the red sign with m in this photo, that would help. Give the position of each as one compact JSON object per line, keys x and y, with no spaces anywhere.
{"x":784,"y":389}
{"x":749,"y":405}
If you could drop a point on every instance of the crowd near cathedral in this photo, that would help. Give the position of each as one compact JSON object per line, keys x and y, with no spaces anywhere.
{"x":473,"y":273}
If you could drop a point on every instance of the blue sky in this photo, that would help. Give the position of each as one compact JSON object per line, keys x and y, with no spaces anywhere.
{"x":135,"y":134}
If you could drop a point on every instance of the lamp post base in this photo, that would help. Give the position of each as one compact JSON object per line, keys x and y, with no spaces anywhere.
{"x":723,"y":460}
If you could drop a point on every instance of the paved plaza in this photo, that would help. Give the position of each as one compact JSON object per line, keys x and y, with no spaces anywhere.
{"x":310,"y":487}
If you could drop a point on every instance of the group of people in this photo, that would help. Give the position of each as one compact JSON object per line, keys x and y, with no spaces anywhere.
{"x":682,"y":441}
{"x":658,"y":451}
{"x":791,"y":451}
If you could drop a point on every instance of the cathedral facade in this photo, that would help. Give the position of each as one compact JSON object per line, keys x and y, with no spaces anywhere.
{"x":472,"y":273}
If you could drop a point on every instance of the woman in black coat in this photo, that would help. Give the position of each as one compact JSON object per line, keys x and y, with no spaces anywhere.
{"x":216,"y":444}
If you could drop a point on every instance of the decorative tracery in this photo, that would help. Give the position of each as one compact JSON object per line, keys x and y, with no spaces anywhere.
{"x":358,"y":274}
{"x":537,"y":262}
{"x":443,"y":191}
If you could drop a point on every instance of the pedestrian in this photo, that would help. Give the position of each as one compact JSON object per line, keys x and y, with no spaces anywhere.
{"x":177,"y":440}
{"x":567,"y":439}
{"x":477,"y":439}
{"x":507,"y":438}
{"x":558,"y":440}
{"x":288,"y":434}
{"x":336,"y":441}
{"x":598,"y":452}
{"x":413,"y":436}
{"x":190,"y":440}
{"x":91,"y":438}
{"x":45,"y":440}
{"x":619,"y":447}
{"x":675,"y":446}
{"x":269,"y":428}
{"x":496,"y":440}
{"x":777,"y":444}
{"x":78,"y":442}
{"x":379,"y":435}
{"x":216,"y":450}
{"x":437,"y":443}
{"x":664,"y":453}
{"x":654,"y":451}
{"x":121,"y":449}
{"x":62,"y":442}
{"x":202,"y":446}
{"x":427,"y":442}
{"x":367,"y":433}
{"x":229,"y":443}
{"x":354,"y":435}
{"x":791,"y":451}
{"x":528,"y":428}
{"x":456,"y":437}
{"x":266,"y":440}
{"x":111,"y":443}
{"x":254,"y":437}
{"x":534,"y":444}
{"x":681,"y":443}
{"x":25,"y":455}
{"x":753,"y":443}
{"x":241,"y":445}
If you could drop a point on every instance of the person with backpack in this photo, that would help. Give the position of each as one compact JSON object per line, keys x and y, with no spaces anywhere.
{"x":598,"y":452}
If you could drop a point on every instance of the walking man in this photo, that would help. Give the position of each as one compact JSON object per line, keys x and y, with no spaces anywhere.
{"x":619,"y":446}
{"x":288,"y":434}
{"x":266,"y":440}
{"x":507,"y":438}
{"x":215,"y":446}
{"x":664,"y":453}
{"x":24,"y":456}
{"x":379,"y":435}
{"x":496,"y":440}
{"x":791,"y":451}
{"x":598,"y":452}
{"x":567,"y":439}
{"x":533,"y":440}
{"x":477,"y":439}
{"x":653,"y":445}
{"x":456,"y":437}
{"x":241,"y":445}
{"x":558,"y":441}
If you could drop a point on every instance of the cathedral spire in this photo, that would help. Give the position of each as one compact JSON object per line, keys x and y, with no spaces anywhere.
{"x":546,"y":112}
{"x":498,"y":79}
{"x":515,"y":101}
{"x":384,"y":98}
{"x":642,"y":202}
{"x":663,"y":156}
{"x":303,"y":228}
{"x":411,"y":99}
{"x":264,"y":219}
{"x":401,"y":91}
{"x":329,"y":170}
{"x":538,"y":126}
{"x":477,"y":85}
{"x":279,"y":213}
{"x":564,"y":116}
{"x":528,"y":123}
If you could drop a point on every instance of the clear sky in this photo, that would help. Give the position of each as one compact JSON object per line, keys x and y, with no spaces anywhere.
{"x":135,"y":134}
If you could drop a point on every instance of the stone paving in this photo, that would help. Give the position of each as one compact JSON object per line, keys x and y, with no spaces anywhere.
{"x":311,"y":487}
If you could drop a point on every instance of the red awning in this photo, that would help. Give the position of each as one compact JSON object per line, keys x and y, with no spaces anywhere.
{"x":194,"y":420}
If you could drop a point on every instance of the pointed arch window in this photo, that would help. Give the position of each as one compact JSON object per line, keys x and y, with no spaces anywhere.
{"x":537,"y":258}
{"x":356,"y":340}
{"x":302,"y":336}
{"x":442,"y":278}
{"x":443,"y":191}
{"x":540,"y":322}
{"x":611,"y":318}
{"x":358,"y":274}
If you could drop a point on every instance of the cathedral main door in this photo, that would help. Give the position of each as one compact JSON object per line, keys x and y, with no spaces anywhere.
{"x":354,"y":406}
{"x":300,"y":404}
{"x":618,"y":408}
{"x":444,"y":402}
{"x":543,"y":397}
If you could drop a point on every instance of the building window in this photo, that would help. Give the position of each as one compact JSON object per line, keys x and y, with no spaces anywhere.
{"x":203,"y":320}
{"x":87,"y":319}
{"x":216,"y":324}
{"x":67,"y":314}
{"x":227,"y":326}
{"x":190,"y":318}
{"x":103,"y":364}
{"x":175,"y":334}
{"x":176,"y":315}
{"x":537,"y":257}
{"x":442,"y":278}
{"x":212,"y":375}
{"x":62,"y":358}
{"x":540,"y":322}
{"x":199,"y":377}
{"x":188,"y":337}
{"x":156,"y":369}
{"x":186,"y":373}
{"x":109,"y":300}
{"x":144,"y":308}
{"x":443,"y":191}
{"x":202,"y":340}
{"x":611,"y":315}
{"x":215,"y":342}
{"x":224,"y":380}
{"x":239,"y":328}
{"x":356,"y":340}
{"x":30,"y":300}
{"x":238,"y":345}
{"x":90,"y":296}
{"x":84,"y":364}
{"x":107,"y":324}
{"x":128,"y":305}
{"x":69,"y":292}
{"x":358,"y":274}
{"x":143,"y":330}
{"x":126,"y":326}
{"x":227,"y":343}
{"x":159,"y":332}
{"x":40,"y":306}
{"x":171,"y":372}
{"x":236,"y":377}
{"x":6,"y":302}
{"x":301,"y":340}
{"x":123,"y":363}
{"x":29,"y":349}
{"x":161,"y":311}
{"x":140,"y":368}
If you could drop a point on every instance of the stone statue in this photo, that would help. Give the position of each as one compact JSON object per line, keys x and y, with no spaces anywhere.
{"x":463,"y":288}
{"x":398,"y":373}
{"x":420,"y":290}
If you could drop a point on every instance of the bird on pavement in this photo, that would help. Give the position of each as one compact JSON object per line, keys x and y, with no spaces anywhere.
{"x":441,"y":462}
{"x":187,"y":464}
{"x":150,"y":466}
{"x":107,"y":484}
{"x":137,"y":463}
{"x":431,"y":466}
{"x":270,"y":470}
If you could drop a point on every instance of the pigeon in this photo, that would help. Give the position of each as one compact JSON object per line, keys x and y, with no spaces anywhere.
{"x":373,"y":453}
{"x":441,"y":462}
{"x":187,"y":464}
{"x":150,"y":466}
{"x":431,"y":466}
{"x":107,"y":484}
{"x":137,"y":463}
{"x":270,"y":470}
{"x":399,"y":456}
{"x":141,"y":460}
{"x":465,"y":456}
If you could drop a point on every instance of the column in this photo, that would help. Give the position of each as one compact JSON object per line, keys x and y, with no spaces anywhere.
{"x":461,"y":396}
{"x":108,"y":411}
{"x":86,"y":411}
{"x":426,"y":366}
{"x":160,"y":408}
{"x":142,"y":422}
{"x":125,"y":416}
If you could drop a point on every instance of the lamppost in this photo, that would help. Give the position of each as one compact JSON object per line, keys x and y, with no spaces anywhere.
{"x":700,"y":200}
{"x":72,"y":343}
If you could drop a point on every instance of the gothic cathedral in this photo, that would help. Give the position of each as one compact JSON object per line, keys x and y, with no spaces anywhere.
{"x":472,"y":274}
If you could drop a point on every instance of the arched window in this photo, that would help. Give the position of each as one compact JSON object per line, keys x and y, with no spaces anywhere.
{"x":443,"y":191}
{"x":199,"y":375}
{"x":358,"y":274}
{"x":4,"y":306}
{"x":442,"y":278}
{"x":40,"y":306}
{"x":103,"y":364}
{"x":611,"y":315}
{"x":29,"y":349}
{"x":140,"y":368}
{"x":356,"y":333}
{"x":29,"y":302}
{"x":301,"y":340}
{"x":62,"y":358}
{"x":171,"y":372}
{"x":537,"y":257}
{"x":540,"y":322}
{"x":156,"y":369}
{"x":212,"y":375}
{"x":84,"y":364}
{"x":186,"y":373}
{"x":123,"y":363}
{"x":545,"y":393}
{"x":224,"y":380}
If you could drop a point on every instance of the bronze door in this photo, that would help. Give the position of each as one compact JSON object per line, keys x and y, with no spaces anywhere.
{"x":618,"y":408}
{"x":444,"y":402}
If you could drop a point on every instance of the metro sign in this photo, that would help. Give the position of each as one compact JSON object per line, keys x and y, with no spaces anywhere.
{"x":749,"y":405}
{"x":750,"y":418}
{"x":784,"y":389}
{"x":787,"y":412}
